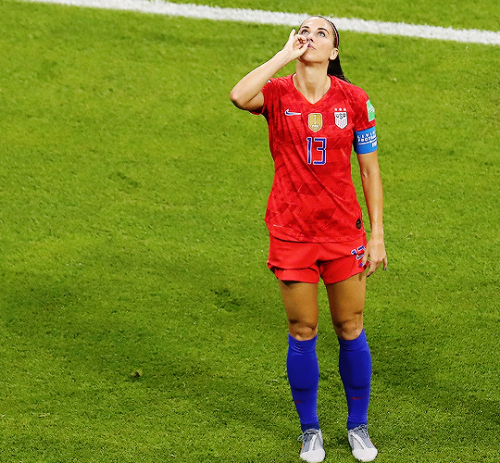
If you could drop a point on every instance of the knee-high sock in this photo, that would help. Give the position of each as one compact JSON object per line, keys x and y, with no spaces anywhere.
{"x":303,"y":376}
{"x":355,"y":367}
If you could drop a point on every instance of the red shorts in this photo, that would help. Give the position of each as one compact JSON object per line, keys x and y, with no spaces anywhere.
{"x":307,"y":262}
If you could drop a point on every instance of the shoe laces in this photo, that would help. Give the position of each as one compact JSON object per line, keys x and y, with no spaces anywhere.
{"x":362,"y":431}
{"x":309,"y":432}
{"x":307,"y":435}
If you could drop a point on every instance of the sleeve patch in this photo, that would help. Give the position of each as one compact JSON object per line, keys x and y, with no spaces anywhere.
{"x":371,"y":111}
{"x":365,"y":141}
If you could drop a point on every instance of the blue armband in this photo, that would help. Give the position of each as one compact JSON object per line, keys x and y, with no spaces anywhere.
{"x":365,"y":141}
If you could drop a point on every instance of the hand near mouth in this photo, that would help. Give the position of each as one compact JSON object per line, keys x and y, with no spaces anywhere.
{"x":296,"y":46}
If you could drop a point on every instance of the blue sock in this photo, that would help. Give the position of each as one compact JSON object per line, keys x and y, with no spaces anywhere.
{"x":303,"y":376}
{"x":355,"y":367}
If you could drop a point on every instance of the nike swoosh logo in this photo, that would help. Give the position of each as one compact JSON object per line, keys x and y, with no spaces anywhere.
{"x":291,"y":113}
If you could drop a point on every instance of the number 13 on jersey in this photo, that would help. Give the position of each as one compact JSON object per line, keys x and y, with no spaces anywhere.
{"x":316,"y":151}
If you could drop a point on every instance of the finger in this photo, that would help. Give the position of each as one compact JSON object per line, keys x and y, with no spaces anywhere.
{"x":370,"y":269}
{"x":301,"y":39}
{"x":302,"y":49}
{"x":372,"y":266}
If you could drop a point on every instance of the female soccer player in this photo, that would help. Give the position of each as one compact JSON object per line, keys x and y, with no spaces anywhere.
{"x":315,"y":117}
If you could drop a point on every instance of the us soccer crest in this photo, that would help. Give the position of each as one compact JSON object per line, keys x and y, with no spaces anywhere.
{"x":341,"y":119}
{"x":315,"y":121}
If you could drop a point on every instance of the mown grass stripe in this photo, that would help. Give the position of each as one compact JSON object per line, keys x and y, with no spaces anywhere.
{"x":269,"y":17}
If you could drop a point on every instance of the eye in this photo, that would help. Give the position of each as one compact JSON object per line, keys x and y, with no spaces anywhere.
{"x":303,"y":32}
{"x":321,"y":34}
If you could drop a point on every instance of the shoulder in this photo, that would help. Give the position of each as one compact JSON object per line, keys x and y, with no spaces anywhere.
{"x":358,"y":99}
{"x":276,"y":89}
{"x":350,"y":90}
{"x":280,"y":82}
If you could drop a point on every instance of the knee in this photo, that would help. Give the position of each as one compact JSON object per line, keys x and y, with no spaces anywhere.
{"x":349,"y":329}
{"x":302,"y":331}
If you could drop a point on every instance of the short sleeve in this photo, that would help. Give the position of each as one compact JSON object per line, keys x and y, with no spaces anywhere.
{"x":365,"y":112}
{"x":365,"y":135}
{"x":268,"y":91}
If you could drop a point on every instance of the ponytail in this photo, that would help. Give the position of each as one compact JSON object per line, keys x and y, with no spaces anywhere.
{"x":335,"y":69}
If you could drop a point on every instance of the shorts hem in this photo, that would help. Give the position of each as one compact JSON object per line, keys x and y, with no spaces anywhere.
{"x":298,"y":275}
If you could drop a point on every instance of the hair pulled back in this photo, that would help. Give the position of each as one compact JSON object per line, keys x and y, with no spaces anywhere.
{"x":334,"y":67}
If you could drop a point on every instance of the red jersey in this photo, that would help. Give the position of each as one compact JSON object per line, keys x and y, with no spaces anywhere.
{"x":312,"y":197}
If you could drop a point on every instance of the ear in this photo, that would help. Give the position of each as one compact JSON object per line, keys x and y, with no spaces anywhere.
{"x":334,"y":54}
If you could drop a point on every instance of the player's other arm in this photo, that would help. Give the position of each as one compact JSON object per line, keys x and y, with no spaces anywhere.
{"x":247,"y":93}
{"x":373,"y":192}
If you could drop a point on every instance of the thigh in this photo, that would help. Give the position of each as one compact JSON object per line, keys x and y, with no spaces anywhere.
{"x":301,"y":305}
{"x":347,"y":301}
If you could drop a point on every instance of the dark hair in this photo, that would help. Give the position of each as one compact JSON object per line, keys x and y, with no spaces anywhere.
{"x":334,"y":67}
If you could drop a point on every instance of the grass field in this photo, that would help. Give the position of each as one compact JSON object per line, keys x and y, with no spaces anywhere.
{"x":461,"y":14}
{"x":139,"y":322}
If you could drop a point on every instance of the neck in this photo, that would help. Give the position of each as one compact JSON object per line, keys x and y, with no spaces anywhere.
{"x":312,"y":81}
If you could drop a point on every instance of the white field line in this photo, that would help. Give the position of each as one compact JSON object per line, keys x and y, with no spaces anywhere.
{"x":289,"y":19}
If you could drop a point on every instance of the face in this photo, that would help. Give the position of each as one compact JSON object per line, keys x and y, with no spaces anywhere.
{"x":320,"y":37}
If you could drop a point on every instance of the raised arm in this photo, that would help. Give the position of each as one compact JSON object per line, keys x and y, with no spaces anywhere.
{"x":372,"y":187}
{"x":247,"y":93}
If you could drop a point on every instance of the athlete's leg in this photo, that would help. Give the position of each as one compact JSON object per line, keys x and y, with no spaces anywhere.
{"x":347,"y":300}
{"x":301,"y":305}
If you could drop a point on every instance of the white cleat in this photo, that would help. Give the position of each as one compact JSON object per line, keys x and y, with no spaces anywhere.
{"x":312,"y":446}
{"x":362,"y":447}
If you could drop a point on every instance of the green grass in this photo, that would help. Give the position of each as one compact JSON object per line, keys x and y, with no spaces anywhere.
{"x":460,"y":14}
{"x":139,"y":322}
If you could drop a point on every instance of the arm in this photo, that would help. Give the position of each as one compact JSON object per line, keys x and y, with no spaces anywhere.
{"x":375,"y":254}
{"x":247,"y":93}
